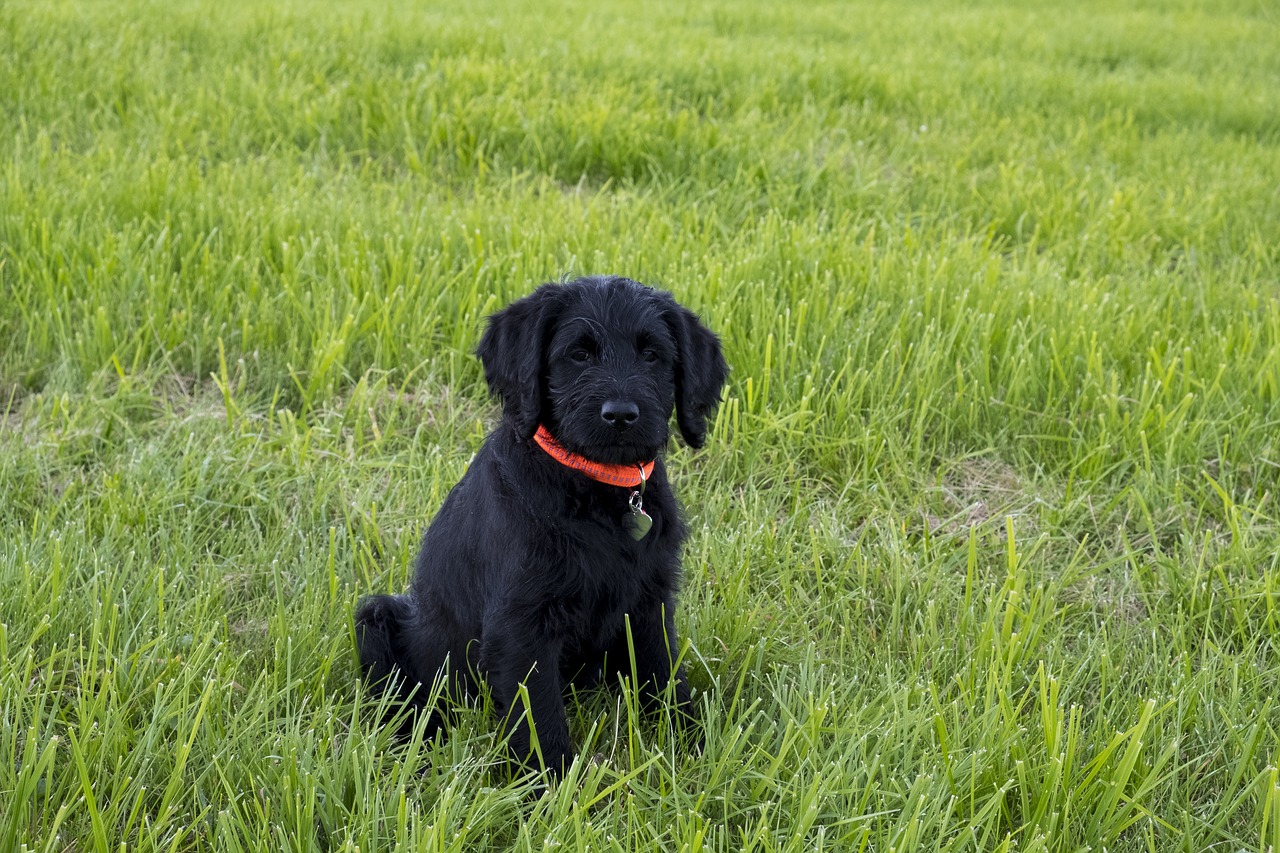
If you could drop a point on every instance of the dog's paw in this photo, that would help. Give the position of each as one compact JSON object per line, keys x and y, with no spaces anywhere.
{"x":551,"y":761}
{"x":556,"y":764}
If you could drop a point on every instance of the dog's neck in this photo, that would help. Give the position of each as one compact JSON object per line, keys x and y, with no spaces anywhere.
{"x":623,"y":476}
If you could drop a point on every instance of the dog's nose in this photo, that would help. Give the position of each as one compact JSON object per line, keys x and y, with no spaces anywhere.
{"x":620,"y":414}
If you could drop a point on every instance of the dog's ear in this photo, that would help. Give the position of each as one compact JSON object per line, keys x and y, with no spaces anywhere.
{"x":513,"y":351}
{"x":700,"y":371}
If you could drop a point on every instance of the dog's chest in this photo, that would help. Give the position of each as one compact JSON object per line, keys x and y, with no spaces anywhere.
{"x":600,"y":585}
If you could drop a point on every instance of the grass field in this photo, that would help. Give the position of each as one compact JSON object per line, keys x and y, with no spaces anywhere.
{"x":985,"y":553}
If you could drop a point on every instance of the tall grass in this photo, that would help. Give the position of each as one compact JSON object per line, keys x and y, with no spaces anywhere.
{"x":985,"y":547}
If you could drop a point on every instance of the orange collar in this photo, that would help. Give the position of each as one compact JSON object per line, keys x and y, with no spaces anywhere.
{"x":625,"y":476}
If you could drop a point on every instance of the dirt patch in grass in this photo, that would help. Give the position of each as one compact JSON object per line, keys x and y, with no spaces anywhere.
{"x":977,"y":493}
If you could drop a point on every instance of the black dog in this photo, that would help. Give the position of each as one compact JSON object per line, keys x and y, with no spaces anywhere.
{"x":555,"y":560}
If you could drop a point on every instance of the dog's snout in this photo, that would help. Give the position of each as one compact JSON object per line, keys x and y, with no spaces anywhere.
{"x":620,"y":414}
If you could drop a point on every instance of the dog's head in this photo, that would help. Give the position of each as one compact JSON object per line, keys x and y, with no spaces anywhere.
{"x":602,"y":361}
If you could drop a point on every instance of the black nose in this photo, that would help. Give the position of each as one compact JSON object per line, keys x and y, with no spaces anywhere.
{"x":620,"y":414}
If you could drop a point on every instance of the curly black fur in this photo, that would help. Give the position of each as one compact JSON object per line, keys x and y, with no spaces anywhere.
{"x":528,"y":575}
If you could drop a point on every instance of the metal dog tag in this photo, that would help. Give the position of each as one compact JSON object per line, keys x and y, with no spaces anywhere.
{"x":638,"y":523}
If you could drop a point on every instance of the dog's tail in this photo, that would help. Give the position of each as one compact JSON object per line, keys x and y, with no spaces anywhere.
{"x":382,"y":625}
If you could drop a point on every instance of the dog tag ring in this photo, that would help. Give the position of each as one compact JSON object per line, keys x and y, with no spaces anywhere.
{"x":638,"y":522}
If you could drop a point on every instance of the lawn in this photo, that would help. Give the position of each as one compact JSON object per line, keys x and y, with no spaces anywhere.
{"x":985,"y":548}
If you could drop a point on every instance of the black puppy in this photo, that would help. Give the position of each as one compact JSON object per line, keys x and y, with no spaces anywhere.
{"x":555,"y":560}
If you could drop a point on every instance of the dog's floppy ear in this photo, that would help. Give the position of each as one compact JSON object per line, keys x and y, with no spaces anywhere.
{"x":700,"y":371}
{"x":513,"y":351}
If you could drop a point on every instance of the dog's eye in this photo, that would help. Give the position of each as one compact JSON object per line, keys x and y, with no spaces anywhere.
{"x":580,"y":355}
{"x":649,"y":355}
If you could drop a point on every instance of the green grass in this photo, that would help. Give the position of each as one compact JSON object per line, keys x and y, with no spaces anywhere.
{"x":985,"y":546}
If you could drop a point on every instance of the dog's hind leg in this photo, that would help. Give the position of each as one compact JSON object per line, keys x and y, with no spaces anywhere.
{"x":383,"y":625}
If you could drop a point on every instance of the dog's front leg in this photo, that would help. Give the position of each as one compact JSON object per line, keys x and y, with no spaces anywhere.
{"x":654,"y":649}
{"x":521,"y":670}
